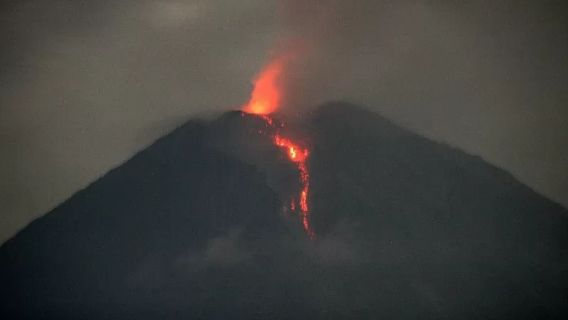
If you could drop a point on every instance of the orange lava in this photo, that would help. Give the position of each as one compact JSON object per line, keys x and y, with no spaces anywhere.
{"x":295,"y":152}
{"x":265,"y":99}
{"x":298,"y":155}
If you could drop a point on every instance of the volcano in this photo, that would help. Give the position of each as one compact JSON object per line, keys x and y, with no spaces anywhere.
{"x":199,"y":225}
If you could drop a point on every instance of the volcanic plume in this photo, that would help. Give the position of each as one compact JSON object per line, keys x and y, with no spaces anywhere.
{"x":266,"y":96}
{"x":266,"y":99}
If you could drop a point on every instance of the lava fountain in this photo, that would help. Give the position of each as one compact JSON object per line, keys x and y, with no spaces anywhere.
{"x":265,"y":99}
{"x":267,"y":94}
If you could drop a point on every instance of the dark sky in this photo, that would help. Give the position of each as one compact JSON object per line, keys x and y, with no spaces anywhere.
{"x":85,"y":84}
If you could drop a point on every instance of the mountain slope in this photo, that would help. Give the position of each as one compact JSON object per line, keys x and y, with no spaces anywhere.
{"x":445,"y":225}
{"x":194,"y":227}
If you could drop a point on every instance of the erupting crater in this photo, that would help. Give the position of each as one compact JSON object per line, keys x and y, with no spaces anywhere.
{"x":265,"y":100}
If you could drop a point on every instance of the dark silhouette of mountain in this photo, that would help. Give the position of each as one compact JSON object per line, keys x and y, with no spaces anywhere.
{"x":195,"y":226}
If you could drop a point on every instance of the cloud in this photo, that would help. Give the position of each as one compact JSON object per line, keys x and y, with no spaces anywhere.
{"x":340,"y":246}
{"x":174,"y":14}
{"x":226,"y":250}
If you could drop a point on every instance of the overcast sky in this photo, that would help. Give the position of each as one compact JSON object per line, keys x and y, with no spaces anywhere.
{"x":85,"y":84}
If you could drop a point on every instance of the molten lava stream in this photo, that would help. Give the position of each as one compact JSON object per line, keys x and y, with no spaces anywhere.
{"x":298,"y":156}
{"x":265,"y":99}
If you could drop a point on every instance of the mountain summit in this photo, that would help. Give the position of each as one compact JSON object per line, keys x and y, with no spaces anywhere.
{"x":196,"y":226}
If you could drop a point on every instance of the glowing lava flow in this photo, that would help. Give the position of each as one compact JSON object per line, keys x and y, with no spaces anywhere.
{"x":265,"y":99}
{"x":298,"y":156}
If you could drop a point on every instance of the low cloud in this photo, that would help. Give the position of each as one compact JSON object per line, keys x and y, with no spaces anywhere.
{"x":226,"y":250}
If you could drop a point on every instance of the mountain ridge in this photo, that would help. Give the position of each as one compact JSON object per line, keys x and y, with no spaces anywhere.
{"x":195,"y":225}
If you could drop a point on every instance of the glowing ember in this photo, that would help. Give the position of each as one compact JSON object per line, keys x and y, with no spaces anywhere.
{"x":265,"y":99}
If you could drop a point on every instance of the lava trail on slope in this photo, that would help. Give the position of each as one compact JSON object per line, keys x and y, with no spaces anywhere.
{"x":265,"y":100}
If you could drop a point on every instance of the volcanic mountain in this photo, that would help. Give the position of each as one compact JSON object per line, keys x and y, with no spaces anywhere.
{"x":197,"y":226}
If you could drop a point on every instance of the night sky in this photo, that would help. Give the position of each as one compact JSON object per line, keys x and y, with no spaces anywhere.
{"x":85,"y":84}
